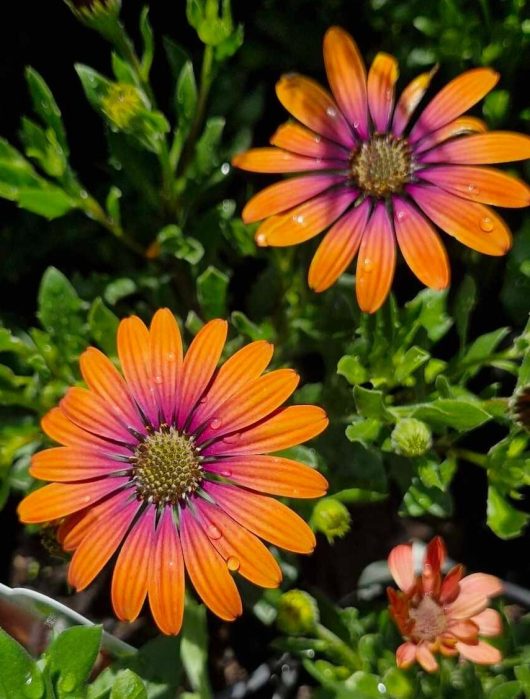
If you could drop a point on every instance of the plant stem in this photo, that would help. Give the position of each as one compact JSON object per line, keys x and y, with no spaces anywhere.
{"x":472,"y":456}
{"x":341,"y":649}
{"x":93,"y":210}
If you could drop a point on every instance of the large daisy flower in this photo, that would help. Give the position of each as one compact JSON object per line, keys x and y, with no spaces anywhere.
{"x":167,"y":466}
{"x":372,"y":180}
{"x":446,"y":615}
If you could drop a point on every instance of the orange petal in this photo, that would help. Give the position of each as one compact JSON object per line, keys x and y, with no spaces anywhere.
{"x":274,"y":160}
{"x":481,"y":653}
{"x":133,"y":351}
{"x":481,"y":149}
{"x":256,"y":401}
{"x":482,"y":184}
{"x":297,"y":139}
{"x":240,"y":369}
{"x":475,"y":593}
{"x":450,"y":585}
{"x":454,"y":99}
{"x":473,"y":224}
{"x":284,"y":195}
{"x":66,"y":464}
{"x":129,"y":580}
{"x":58,"y":500}
{"x":264,"y":516}
{"x":208,"y":571}
{"x":465,"y":630}
{"x":406,"y":655}
{"x":459,"y":127}
{"x":272,"y":474}
{"x":338,"y":248}
{"x":166,"y":576}
{"x":199,"y":365}
{"x":347,"y":77}
{"x":165,"y":345}
{"x":61,"y":429}
{"x":287,"y":428}
{"x":75,"y":527}
{"x":425,"y":658}
{"x":421,"y":246}
{"x":382,"y":78}
{"x":401,"y":566}
{"x":100,"y":544}
{"x":90,"y":412}
{"x":308,"y":102}
{"x":103,"y":378}
{"x":307,"y":220}
{"x":489,"y":622}
{"x":409,"y":100}
{"x":376,"y":261}
{"x":242,"y":551}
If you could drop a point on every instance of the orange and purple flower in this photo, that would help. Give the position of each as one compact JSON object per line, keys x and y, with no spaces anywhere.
{"x":169,"y":464}
{"x":373,"y":180}
{"x":446,"y":615}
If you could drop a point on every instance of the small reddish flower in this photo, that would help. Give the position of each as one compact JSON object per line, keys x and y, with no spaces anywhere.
{"x":167,"y":466}
{"x":373,"y":180}
{"x":438,"y":614}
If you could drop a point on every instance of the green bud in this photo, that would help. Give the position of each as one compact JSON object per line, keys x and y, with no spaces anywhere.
{"x":331,"y":518}
{"x":84,"y":9}
{"x":411,"y":437}
{"x":520,"y":407}
{"x":121,"y":104}
{"x":297,"y":613}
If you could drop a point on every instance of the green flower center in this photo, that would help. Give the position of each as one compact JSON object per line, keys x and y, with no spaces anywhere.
{"x":166,"y":467}
{"x":429,"y":620}
{"x":382,"y":165}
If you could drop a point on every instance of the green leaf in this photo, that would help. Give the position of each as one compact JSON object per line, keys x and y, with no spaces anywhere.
{"x":60,"y":311}
{"x":49,"y":202}
{"x":119,"y":289}
{"x":507,"y":690}
{"x":46,"y":107}
{"x":522,"y":672}
{"x":176,"y":56}
{"x":186,"y":95}
{"x":172,"y":241}
{"x":352,"y":369}
{"x":103,"y":325}
{"x":212,"y":287}
{"x":128,"y":685}
{"x":466,"y":299}
{"x":413,"y":358}
{"x":19,"y":674}
{"x":495,"y":107}
{"x":148,"y":44}
{"x":420,"y":500}
{"x":43,"y":147}
{"x":399,"y":684}
{"x":461,"y":415}
{"x":370,"y":404}
{"x":71,"y":657}
{"x":249,"y":329}
{"x":194,"y":648}
{"x":363,"y":685}
{"x":206,"y":151}
{"x":481,"y":349}
{"x":364,"y":430}
{"x":505,"y":520}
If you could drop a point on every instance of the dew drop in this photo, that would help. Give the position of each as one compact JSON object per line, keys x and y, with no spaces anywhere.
{"x":158,"y":379}
{"x":213,"y":532}
{"x":368,"y":265}
{"x":261,"y":239}
{"x":233,"y":563}
{"x":215,"y":424}
{"x":486,"y":224}
{"x":331,"y":112}
{"x":226,"y":474}
{"x":401,"y":215}
{"x":225,"y":168}
{"x":299,"y":219}
{"x":355,"y":124}
{"x":171,"y":357}
{"x":317,"y":139}
{"x":83,"y":194}
{"x":472,"y":189}
{"x":381,"y":688}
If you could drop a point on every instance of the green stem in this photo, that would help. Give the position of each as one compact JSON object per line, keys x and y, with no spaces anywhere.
{"x":339,"y":648}
{"x":93,"y":210}
{"x":472,"y":457}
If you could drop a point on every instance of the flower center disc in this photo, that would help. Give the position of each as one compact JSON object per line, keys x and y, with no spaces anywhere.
{"x":429,"y":620}
{"x":382,"y":165}
{"x":166,"y":467}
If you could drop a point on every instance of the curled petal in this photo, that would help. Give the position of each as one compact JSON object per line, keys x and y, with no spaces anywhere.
{"x":338,"y":248}
{"x":281,"y":196}
{"x":376,"y":261}
{"x":401,"y":566}
{"x":347,"y":77}
{"x":382,"y":77}
{"x":472,"y":224}
{"x":436,"y":554}
{"x":462,"y":126}
{"x":481,"y":653}
{"x":451,"y":584}
{"x":308,"y":102}
{"x":454,"y":99}
{"x":409,"y":100}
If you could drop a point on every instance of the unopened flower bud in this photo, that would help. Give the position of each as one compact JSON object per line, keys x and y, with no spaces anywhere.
{"x":331,"y":518}
{"x":297,"y":613}
{"x":411,"y":437}
{"x":87,"y":9}
{"x":121,"y":104}
{"x":520,"y":407}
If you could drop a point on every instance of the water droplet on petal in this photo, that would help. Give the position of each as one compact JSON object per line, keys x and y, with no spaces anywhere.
{"x":355,"y":124}
{"x":233,"y":563}
{"x":486,"y":224}
{"x":225,"y":474}
{"x":158,"y":379}
{"x":171,"y":356}
{"x":317,"y":138}
{"x":261,"y":239}
{"x":299,"y":219}
{"x":215,"y":424}
{"x":400,"y":215}
{"x":331,"y":112}
{"x":472,"y":189}
{"x":368,"y":265}
{"x":213,"y":532}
